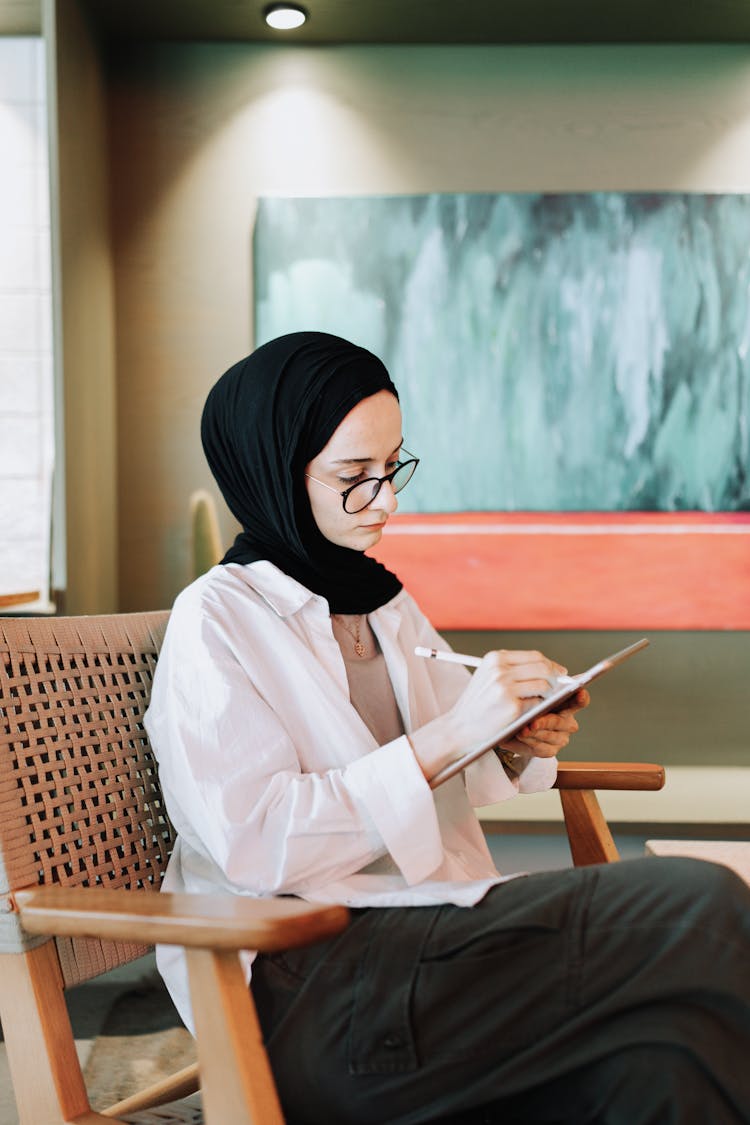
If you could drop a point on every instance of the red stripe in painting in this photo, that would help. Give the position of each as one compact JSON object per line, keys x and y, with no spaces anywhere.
{"x":532,"y":570}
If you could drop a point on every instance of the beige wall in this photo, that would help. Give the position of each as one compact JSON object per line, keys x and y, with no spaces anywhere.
{"x":83,"y":329}
{"x":683,"y":701}
{"x":197,"y":133}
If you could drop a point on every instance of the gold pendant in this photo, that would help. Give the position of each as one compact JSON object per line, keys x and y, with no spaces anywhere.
{"x":359,"y":648}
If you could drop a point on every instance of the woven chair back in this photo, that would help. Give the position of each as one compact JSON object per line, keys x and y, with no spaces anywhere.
{"x":80,"y":802}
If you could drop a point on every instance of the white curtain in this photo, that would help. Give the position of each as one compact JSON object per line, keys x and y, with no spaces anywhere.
{"x":26,"y":385}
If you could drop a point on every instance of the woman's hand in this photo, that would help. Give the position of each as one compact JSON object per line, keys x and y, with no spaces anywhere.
{"x":548,"y":734}
{"x":503,"y":686}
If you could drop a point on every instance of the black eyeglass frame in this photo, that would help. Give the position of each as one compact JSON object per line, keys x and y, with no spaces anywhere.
{"x":411,"y":460}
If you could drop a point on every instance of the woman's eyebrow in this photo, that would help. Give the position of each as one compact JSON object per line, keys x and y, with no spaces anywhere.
{"x":361,"y":460}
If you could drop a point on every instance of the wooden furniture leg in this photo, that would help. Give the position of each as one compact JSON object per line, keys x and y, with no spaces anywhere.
{"x":588,"y":832}
{"x":238,"y":1087}
{"x":41,"y":1048}
{"x":179,"y":1085}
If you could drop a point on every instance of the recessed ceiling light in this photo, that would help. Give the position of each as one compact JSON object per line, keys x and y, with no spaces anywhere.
{"x":284,"y":17}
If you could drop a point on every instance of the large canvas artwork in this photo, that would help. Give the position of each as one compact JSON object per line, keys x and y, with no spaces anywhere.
{"x":574,"y":373}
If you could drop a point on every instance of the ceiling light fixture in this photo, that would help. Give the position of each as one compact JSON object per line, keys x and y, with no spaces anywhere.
{"x":284,"y":17}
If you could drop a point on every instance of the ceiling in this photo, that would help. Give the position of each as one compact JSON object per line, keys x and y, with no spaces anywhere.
{"x":435,"y":21}
{"x":411,"y":21}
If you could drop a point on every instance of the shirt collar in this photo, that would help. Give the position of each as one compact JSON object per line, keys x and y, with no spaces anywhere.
{"x":285,"y":595}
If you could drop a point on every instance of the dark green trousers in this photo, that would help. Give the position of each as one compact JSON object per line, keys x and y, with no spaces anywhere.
{"x":616,"y":995}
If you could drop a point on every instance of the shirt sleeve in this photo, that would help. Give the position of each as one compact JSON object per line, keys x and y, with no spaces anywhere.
{"x":488,"y":781}
{"x":236,"y":793}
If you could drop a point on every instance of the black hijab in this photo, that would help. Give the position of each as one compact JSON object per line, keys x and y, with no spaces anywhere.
{"x":265,"y":419}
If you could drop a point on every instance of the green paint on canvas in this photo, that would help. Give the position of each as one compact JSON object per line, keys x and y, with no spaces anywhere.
{"x":552,"y":352}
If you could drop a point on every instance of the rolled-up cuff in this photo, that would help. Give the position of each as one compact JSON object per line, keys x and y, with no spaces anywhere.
{"x":390,"y":785}
{"x":487,"y":781}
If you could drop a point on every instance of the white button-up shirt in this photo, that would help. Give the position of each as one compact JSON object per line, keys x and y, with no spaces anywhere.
{"x":272,"y":780}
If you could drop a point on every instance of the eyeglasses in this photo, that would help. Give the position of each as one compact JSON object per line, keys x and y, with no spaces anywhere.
{"x":362,"y":494}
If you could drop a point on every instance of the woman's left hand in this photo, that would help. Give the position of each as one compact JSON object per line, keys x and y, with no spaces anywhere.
{"x":547,"y":735}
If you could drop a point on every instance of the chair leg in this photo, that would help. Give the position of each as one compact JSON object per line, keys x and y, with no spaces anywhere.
{"x":179,"y":1085}
{"x":47,"y":1079}
{"x":588,"y":832}
{"x":237,"y":1085}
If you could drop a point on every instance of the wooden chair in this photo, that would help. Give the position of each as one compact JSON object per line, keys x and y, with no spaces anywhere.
{"x":84,"y":841}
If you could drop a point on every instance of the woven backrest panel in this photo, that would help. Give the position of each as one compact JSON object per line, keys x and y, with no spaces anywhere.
{"x":80,"y":802}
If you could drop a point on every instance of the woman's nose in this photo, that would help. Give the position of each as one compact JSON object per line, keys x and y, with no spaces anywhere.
{"x":386,"y":498}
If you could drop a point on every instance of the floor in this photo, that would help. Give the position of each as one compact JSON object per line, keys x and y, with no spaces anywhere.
{"x":548,"y":852}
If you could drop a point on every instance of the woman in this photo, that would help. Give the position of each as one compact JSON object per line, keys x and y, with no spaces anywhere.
{"x":297,"y":733}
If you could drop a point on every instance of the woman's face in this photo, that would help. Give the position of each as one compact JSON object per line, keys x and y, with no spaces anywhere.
{"x":367,"y":443}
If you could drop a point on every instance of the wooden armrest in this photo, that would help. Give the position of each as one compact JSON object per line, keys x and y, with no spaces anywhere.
{"x":609,"y":775}
{"x":220,"y":922}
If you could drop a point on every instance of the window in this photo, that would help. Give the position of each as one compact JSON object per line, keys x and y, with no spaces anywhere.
{"x":26,"y":380}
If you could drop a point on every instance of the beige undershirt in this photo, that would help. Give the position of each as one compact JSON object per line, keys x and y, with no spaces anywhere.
{"x":371,"y":694}
{"x":370,"y":688}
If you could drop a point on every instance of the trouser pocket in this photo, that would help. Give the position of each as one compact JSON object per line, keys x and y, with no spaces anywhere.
{"x":381,"y":1033}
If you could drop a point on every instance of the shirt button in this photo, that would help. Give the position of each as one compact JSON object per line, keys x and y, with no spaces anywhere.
{"x":393,"y":1041}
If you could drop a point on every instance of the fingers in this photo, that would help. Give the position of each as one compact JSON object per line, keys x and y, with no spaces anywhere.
{"x":580,"y":700}
{"x":504,"y":685}
{"x":544,"y":743}
{"x":562,"y":721}
{"x":550,"y":733}
{"x":537,"y":747}
{"x":527,"y":674}
{"x":508,"y":658}
{"x":528,"y":688}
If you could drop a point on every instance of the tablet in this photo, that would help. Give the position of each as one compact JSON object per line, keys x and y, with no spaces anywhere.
{"x":567,"y":687}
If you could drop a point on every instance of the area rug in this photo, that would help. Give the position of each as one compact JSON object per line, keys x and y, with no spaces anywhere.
{"x":141,"y":1041}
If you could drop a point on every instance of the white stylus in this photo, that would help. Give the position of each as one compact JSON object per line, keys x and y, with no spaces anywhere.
{"x":451,"y":657}
{"x":475,"y":661}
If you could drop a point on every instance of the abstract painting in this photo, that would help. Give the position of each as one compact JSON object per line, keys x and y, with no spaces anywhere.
{"x":574,"y":372}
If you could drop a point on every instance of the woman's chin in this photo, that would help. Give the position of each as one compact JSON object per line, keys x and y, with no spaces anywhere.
{"x":371,"y":536}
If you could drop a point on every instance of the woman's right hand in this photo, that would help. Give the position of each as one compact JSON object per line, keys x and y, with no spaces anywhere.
{"x":504,"y":685}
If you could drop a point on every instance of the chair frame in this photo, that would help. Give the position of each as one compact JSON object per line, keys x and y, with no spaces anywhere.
{"x":84,"y":840}
{"x":235,"y":1077}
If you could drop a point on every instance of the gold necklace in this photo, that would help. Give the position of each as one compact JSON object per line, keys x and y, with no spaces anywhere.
{"x":359,"y":648}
